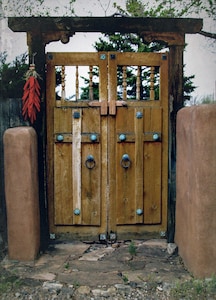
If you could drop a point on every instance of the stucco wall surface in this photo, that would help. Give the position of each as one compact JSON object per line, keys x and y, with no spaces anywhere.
{"x":21,"y":192}
{"x":196,"y":189}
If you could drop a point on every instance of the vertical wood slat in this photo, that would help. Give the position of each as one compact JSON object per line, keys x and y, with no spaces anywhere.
{"x":138,"y":82}
{"x":112,"y":83}
{"x":91,"y":95}
{"x":63,"y":195}
{"x":103,"y":83}
{"x":125,"y":178}
{"x":124,"y":82}
{"x":139,"y":180}
{"x":152,"y":75}
{"x":63,"y":95}
{"x":91,"y":178}
{"x":76,"y":164}
{"x":77,"y":82}
{"x":152,"y":168}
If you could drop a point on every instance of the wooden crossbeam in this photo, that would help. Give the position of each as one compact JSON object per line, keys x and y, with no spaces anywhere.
{"x":104,"y":105}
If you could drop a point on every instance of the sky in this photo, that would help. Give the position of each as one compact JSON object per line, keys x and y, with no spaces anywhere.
{"x":199,"y":56}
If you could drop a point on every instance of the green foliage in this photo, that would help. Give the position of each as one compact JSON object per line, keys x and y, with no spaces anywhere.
{"x":28,"y":8}
{"x":125,"y":278}
{"x":132,"y":249}
{"x":8,"y":281}
{"x":170,"y":8}
{"x":189,"y":87}
{"x":12,"y":76}
{"x":131,"y":42}
{"x":194,"y":289}
{"x":85,"y":90}
{"x":208,"y":99}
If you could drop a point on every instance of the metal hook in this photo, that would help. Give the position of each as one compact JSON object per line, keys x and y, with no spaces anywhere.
{"x":33,"y":56}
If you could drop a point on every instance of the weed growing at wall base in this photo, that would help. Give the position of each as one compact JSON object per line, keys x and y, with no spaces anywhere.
{"x":195,"y":289}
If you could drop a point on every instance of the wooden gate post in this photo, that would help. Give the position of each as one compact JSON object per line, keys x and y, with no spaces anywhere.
{"x":176,"y":43}
{"x":176,"y":101}
{"x":36,"y":49}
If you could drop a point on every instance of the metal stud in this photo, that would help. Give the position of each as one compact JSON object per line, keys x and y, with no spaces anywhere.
{"x":76,"y":115}
{"x":77,"y":211}
{"x":139,"y":211}
{"x":93,"y":137}
{"x":103,"y":56}
{"x":122,"y":137}
{"x":155,"y":136}
{"x":60,"y":138}
{"x":139,"y":115}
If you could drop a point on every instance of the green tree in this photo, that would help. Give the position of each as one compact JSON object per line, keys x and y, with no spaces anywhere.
{"x":131,"y":42}
{"x":28,"y":8}
{"x":169,"y":8}
{"x":12,"y":75}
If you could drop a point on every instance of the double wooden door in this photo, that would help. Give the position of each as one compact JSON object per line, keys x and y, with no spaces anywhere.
{"x":108,"y":145}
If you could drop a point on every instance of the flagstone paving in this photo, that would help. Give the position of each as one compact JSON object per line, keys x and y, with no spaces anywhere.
{"x":92,"y":270}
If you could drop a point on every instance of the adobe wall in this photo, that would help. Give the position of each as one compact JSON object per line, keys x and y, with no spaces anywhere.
{"x":21,"y":193}
{"x":196,"y":189}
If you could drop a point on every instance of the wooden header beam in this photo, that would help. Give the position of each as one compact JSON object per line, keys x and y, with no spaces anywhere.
{"x":115,"y":23}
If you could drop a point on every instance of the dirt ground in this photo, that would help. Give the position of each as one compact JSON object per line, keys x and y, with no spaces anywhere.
{"x":138,"y":267}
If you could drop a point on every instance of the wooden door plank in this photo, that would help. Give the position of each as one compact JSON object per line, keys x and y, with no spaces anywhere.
{"x":125,"y":186}
{"x":152,"y":179}
{"x":125,"y":178}
{"x":152,"y":169}
{"x":76,"y":164}
{"x":111,"y":169}
{"x":139,"y":180}
{"x":62,"y":117}
{"x":91,"y":178}
{"x":103,"y":83}
{"x":104,"y":175}
{"x":91,"y":186}
{"x":139,"y":59}
{"x":63,"y":184}
{"x":73,"y":59}
{"x":112,"y":83}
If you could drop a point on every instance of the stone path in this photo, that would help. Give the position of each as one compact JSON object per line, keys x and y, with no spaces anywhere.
{"x":84,"y":270}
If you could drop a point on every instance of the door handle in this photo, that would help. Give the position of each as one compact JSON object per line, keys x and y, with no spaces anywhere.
{"x":90,"y":162}
{"x":125,"y":161}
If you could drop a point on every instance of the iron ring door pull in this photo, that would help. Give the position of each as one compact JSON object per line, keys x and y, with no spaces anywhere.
{"x":125,"y":161}
{"x":90,"y":162}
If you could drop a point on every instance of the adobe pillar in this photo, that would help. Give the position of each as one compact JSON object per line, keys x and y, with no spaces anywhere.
{"x":21,"y":193}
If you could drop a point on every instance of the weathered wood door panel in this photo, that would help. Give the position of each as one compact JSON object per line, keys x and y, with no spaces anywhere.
{"x":108,"y":154}
{"x":71,"y":170}
{"x":139,"y":185}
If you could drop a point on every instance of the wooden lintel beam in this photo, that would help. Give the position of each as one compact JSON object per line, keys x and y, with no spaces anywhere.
{"x":170,"y":38}
{"x":104,"y":24}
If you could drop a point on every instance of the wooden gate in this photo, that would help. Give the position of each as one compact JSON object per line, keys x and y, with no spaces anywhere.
{"x":108,"y":145}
